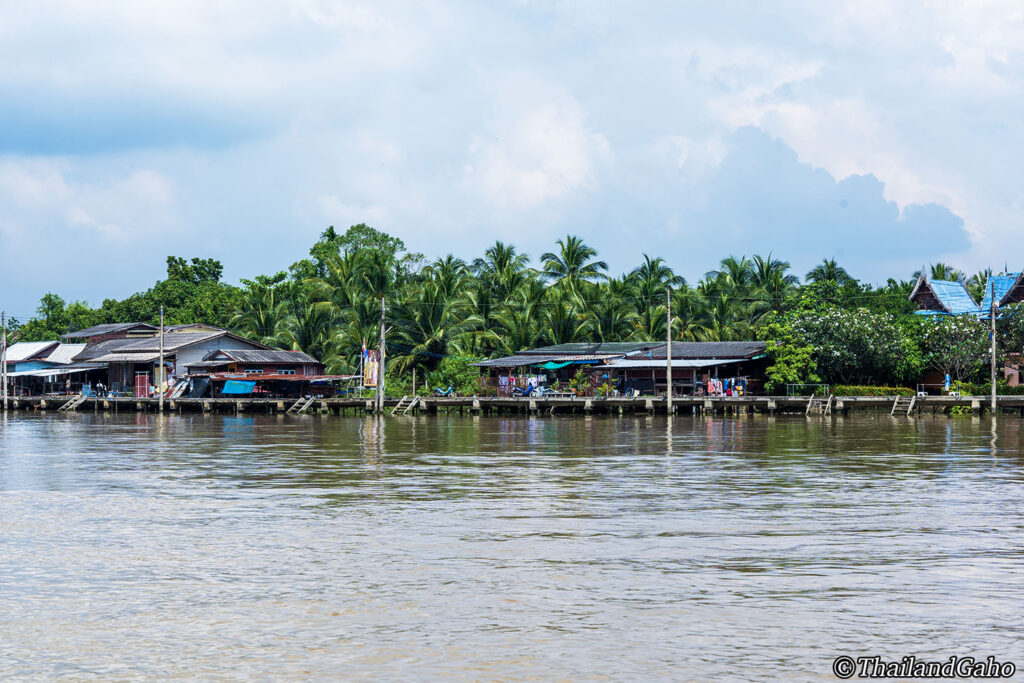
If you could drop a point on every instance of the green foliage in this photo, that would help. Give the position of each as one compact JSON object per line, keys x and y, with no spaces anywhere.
{"x":833,"y":329}
{"x":956,"y":345}
{"x":860,"y":390}
{"x":858,"y":346}
{"x":792,"y":362}
{"x":54,"y":317}
{"x":579,"y":383}
{"x":457,"y":373}
{"x":201,"y":270}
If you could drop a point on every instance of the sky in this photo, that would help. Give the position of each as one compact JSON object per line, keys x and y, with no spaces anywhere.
{"x":886,"y":135}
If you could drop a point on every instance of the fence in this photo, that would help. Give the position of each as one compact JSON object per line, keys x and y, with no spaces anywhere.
{"x":807,"y":389}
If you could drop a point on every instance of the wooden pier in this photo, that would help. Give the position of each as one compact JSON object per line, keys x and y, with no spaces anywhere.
{"x":489,"y":405}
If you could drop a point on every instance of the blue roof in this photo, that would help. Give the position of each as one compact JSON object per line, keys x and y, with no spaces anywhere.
{"x":1002,"y":285}
{"x":954,"y":296}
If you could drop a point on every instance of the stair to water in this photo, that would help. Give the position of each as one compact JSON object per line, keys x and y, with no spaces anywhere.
{"x":819,"y":404}
{"x":903,"y":405}
{"x":300,"y":406}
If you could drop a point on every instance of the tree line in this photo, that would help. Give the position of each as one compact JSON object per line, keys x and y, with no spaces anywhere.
{"x":828,"y":328}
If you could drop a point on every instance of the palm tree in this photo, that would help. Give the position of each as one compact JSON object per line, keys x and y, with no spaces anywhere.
{"x":260,"y":308}
{"x":432,"y":323}
{"x":572,"y":264}
{"x":766,"y":270}
{"x":518,"y":324}
{"x":978,"y":282}
{"x":609,"y":314}
{"x":828,"y":271}
{"x":561,"y":319}
{"x":940,"y":271}
{"x":307,"y":325}
{"x":650,"y":280}
{"x":734,"y":272}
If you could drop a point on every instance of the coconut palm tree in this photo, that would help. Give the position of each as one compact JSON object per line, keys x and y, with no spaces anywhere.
{"x":260,"y":307}
{"x":828,"y":271}
{"x":940,"y":271}
{"x":573,"y":263}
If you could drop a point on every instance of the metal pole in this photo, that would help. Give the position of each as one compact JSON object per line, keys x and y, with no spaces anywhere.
{"x":3,"y":356}
{"x":992,"y":316}
{"x":668,"y":349}
{"x":380,"y":363}
{"x":160,"y":385}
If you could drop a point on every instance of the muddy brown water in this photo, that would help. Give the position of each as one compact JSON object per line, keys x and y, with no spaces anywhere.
{"x":474,"y":548}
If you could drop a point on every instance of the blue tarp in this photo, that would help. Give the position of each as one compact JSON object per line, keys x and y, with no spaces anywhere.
{"x":234,"y":386}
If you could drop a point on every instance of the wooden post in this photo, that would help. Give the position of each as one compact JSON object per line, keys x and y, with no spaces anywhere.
{"x":160,"y":378}
{"x":668,"y":349}
{"x":380,"y":361}
{"x":3,"y":357}
{"x":992,"y":315}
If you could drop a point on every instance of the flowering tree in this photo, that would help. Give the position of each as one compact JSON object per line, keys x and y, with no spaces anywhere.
{"x":957,"y":346}
{"x":859,"y":346}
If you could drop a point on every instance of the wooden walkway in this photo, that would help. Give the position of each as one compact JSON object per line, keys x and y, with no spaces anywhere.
{"x":838,"y":405}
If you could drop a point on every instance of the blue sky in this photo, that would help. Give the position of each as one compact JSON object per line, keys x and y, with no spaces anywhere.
{"x":885,"y":135}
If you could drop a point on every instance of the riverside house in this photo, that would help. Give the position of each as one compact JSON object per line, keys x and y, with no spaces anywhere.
{"x":638,"y":367}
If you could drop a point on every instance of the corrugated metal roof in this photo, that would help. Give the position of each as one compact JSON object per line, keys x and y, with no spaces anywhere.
{"x":520,"y":360}
{"x":610,"y":348}
{"x":22,"y":351}
{"x":1002,"y":285}
{"x":64,"y":353}
{"x":263,"y":356}
{"x":954,"y":296}
{"x":716,"y":350}
{"x":58,"y":370}
{"x":627,"y":363}
{"x":106,"y":328}
{"x":147,"y":357}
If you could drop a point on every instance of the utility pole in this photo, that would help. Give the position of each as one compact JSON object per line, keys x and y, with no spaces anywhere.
{"x":160,"y":385}
{"x":668,"y":349}
{"x":3,"y":356}
{"x":380,"y":363}
{"x":992,"y":316}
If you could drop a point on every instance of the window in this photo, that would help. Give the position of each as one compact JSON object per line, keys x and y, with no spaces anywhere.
{"x":254,"y":371}
{"x":286,"y":371}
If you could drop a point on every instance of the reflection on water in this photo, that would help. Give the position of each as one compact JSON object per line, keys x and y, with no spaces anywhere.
{"x":472,"y":548}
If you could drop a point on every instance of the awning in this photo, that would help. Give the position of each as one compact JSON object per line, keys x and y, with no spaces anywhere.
{"x":48,"y":372}
{"x":129,"y":358}
{"x":234,"y":386}
{"x":552,"y":365}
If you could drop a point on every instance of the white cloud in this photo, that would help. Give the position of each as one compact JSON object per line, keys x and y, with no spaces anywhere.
{"x":535,"y":154}
{"x":215,"y":129}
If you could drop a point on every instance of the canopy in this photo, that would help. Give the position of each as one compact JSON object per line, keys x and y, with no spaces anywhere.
{"x":552,"y":365}
{"x":47,"y":372}
{"x":234,"y":386}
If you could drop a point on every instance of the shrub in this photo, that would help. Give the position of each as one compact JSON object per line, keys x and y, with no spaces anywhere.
{"x":863,"y":390}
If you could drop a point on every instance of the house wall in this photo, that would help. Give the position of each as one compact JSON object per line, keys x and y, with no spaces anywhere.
{"x":195,"y":352}
{"x":271,"y":368}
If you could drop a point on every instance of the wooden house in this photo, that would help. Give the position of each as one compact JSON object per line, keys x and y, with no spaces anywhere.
{"x":257,"y":362}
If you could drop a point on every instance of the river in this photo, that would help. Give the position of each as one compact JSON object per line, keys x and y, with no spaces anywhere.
{"x":474,"y":548}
